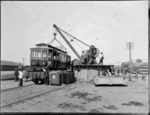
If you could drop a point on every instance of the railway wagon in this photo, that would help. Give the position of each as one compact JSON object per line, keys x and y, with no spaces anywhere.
{"x":47,"y":57}
{"x":8,"y":67}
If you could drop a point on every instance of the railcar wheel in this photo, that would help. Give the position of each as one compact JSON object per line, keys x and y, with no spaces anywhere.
{"x":33,"y":81}
{"x":36,"y":81}
{"x":42,"y":81}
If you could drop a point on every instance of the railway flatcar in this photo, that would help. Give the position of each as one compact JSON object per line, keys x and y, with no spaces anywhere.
{"x":47,"y":57}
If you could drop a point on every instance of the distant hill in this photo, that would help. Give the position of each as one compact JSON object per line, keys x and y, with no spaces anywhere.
{"x":9,"y":63}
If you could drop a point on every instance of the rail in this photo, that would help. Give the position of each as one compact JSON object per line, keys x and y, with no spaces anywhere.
{"x":35,"y":96}
{"x":10,"y":89}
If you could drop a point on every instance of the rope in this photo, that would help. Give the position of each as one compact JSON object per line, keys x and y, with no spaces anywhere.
{"x":55,"y":33}
{"x":73,"y":37}
{"x":51,"y":41}
{"x":79,"y":45}
{"x":60,"y":43}
{"x":75,"y":41}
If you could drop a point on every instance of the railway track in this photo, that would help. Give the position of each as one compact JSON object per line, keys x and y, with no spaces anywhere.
{"x":14,"y":88}
{"x":35,"y":96}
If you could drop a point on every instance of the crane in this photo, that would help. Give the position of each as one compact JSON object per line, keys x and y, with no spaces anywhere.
{"x":88,"y":60}
{"x":90,"y":55}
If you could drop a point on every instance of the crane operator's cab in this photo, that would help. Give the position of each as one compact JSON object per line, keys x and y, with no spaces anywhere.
{"x":47,"y":57}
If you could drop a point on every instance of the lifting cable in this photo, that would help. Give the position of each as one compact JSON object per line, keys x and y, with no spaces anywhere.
{"x":60,"y":44}
{"x":51,"y":41}
{"x":74,"y":37}
{"x":79,"y":46}
{"x":55,"y":33}
{"x":73,"y":40}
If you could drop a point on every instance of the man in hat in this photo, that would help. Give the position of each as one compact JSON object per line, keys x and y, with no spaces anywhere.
{"x":16,"y":75}
{"x":46,"y":76}
{"x":20,"y":77}
{"x":101,"y":59}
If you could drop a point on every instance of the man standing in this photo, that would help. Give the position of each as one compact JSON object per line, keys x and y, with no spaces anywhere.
{"x":20,"y":77}
{"x":46,"y":76}
{"x":16,"y":74}
{"x":101,"y":59}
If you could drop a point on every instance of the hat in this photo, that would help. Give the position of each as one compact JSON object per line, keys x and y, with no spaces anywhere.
{"x":19,"y":68}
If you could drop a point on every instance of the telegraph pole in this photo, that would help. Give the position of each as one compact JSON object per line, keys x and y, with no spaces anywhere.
{"x":23,"y":61}
{"x":130,"y":47}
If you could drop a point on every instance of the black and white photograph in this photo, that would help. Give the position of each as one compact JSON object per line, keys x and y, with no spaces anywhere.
{"x":74,"y":57}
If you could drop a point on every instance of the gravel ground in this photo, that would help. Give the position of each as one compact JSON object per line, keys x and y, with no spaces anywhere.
{"x":11,"y":84}
{"x":86,"y":98}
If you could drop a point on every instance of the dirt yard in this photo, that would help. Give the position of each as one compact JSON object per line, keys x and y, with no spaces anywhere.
{"x":84,"y":97}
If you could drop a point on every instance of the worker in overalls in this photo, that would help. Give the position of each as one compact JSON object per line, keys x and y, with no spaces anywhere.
{"x":16,"y":75}
{"x":46,"y":76}
{"x":20,"y":76}
{"x":101,"y":59}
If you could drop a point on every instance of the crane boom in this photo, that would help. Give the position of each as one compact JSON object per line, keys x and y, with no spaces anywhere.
{"x":58,"y":30}
{"x":75,"y":38}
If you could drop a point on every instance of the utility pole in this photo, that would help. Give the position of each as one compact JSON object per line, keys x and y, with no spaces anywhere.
{"x":130,"y":47}
{"x":23,"y":61}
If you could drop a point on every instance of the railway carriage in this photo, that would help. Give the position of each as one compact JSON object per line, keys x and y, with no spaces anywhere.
{"x":48,"y":57}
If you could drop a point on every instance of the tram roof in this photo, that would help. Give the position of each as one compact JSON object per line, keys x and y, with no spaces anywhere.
{"x":47,"y":46}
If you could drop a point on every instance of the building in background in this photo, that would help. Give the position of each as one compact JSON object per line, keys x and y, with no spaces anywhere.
{"x":8,"y":65}
{"x":138,"y":66}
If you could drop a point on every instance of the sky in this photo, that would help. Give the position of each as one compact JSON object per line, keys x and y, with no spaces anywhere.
{"x":108,"y":25}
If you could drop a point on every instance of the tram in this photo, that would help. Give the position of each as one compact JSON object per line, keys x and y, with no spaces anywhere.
{"x":47,"y":57}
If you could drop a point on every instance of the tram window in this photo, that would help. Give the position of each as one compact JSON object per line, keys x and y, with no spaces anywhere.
{"x":50,"y":56}
{"x":54,"y":57}
{"x":68,"y":58}
{"x":60,"y":57}
{"x":38,"y":53}
{"x":44,"y":53}
{"x":33,"y":53}
{"x":64,"y":58}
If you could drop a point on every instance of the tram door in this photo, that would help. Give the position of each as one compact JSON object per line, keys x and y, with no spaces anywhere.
{"x":50,"y":58}
{"x":68,"y":64}
{"x":55,"y":60}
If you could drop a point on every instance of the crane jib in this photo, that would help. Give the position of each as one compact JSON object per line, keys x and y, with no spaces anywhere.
{"x":71,"y":36}
{"x":58,"y":29}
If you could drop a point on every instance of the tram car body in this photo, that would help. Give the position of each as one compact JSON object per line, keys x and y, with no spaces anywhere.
{"x":47,"y":57}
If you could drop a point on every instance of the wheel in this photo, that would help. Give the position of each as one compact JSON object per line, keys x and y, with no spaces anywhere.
{"x":36,"y":80}
{"x":33,"y":81}
{"x":43,"y":81}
